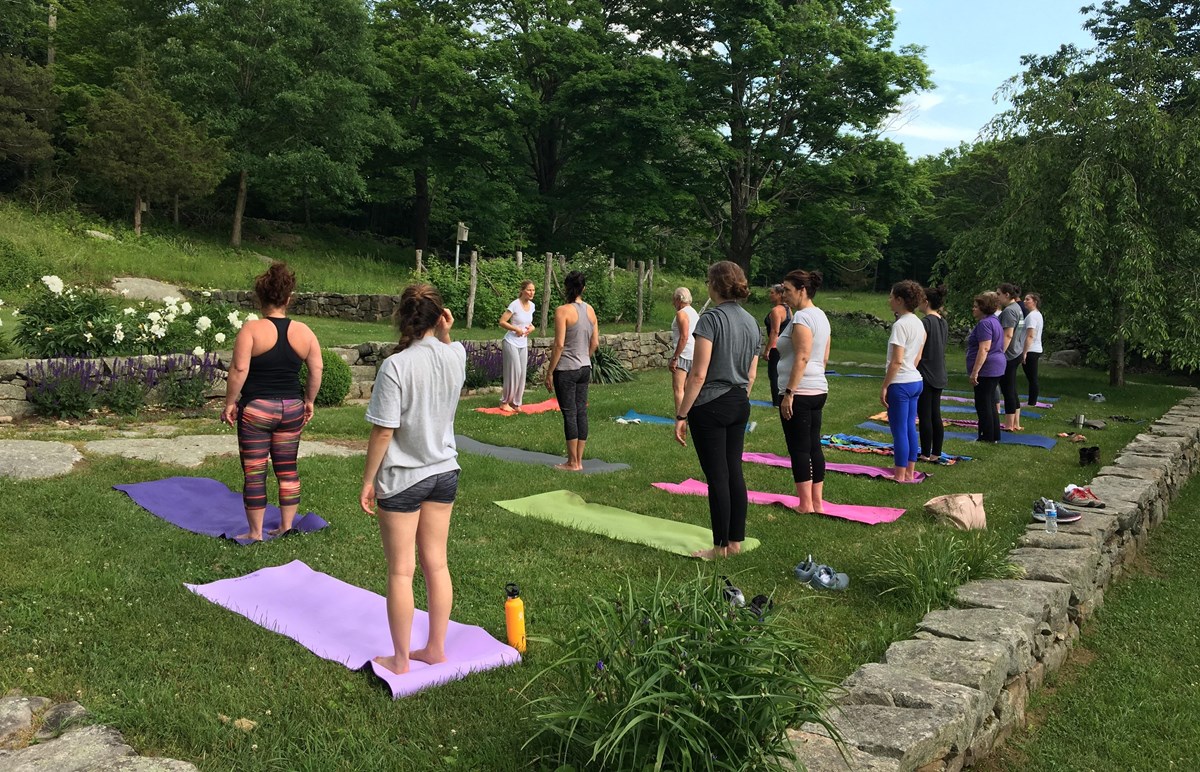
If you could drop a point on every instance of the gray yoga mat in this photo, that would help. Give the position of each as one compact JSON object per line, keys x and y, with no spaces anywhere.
{"x":590,"y":465}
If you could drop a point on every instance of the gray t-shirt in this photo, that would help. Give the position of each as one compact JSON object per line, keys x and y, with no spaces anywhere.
{"x":813,"y":380}
{"x":736,"y":341}
{"x":416,"y":392}
{"x":1012,"y":317}
{"x":933,"y":359}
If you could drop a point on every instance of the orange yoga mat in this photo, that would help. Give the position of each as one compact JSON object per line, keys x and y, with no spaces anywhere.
{"x":540,"y":407}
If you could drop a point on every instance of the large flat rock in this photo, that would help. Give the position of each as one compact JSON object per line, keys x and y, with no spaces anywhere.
{"x":963,"y":709}
{"x":1078,"y":568}
{"x":78,"y":750}
{"x":910,"y":737}
{"x":1040,"y":601}
{"x":1014,"y":631}
{"x":981,"y":665}
{"x":192,"y":449}
{"x":819,"y":753}
{"x":36,"y":459}
{"x":136,"y":288}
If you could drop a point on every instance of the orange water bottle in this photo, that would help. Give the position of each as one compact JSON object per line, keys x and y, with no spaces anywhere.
{"x":514,"y":617}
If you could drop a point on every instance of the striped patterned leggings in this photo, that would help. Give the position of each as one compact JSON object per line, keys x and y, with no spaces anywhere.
{"x":270,"y":428}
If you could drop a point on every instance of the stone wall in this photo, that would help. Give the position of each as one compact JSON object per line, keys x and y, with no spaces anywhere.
{"x":944,"y":699}
{"x":356,"y":308}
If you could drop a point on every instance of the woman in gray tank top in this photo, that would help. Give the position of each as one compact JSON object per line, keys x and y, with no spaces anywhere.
{"x":576,"y":338}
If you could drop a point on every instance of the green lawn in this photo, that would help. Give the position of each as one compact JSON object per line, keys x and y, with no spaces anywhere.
{"x":1129,"y":698}
{"x":93,"y":606}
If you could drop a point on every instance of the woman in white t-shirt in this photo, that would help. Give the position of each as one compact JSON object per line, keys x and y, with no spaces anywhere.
{"x":518,"y":320}
{"x":803,"y":347}
{"x":902,"y":384}
{"x":1034,"y":325}
{"x":683,"y":341}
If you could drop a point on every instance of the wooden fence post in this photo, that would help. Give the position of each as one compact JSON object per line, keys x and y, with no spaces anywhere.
{"x":612,"y":266}
{"x":562,"y":264}
{"x":420,"y":264}
{"x":546,"y":290}
{"x":641,"y":269}
{"x":520,"y":259}
{"x":471,"y":288}
{"x":650,"y":280}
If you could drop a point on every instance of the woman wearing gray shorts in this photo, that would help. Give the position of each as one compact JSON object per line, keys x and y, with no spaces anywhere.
{"x":683,"y":341}
{"x":412,"y":468}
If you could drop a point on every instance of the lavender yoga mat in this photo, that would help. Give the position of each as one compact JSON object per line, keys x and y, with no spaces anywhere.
{"x":770,"y":459}
{"x":859,"y":514}
{"x":348,"y":625}
{"x":206,"y":506}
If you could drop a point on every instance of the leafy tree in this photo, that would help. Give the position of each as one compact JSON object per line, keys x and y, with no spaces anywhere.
{"x":24,"y":29}
{"x":1101,"y":210}
{"x":777,"y":87}
{"x":141,"y":143}
{"x":27,"y":112}
{"x":285,"y":82}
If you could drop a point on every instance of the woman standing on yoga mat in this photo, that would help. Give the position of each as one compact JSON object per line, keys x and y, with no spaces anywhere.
{"x":776,"y":321}
{"x":518,"y":320}
{"x":576,"y":338}
{"x":264,"y":400}
{"x":1034,"y":324}
{"x":902,"y":381}
{"x":683,"y":341}
{"x":716,"y":403}
{"x":985,"y":363}
{"x":412,"y":468}
{"x":933,"y":375}
{"x":803,"y":355}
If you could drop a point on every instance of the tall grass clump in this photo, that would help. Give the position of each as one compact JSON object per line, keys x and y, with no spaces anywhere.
{"x":676,"y":678}
{"x":926,"y":575}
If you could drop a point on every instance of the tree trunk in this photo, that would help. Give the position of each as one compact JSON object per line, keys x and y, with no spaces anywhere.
{"x":422,"y":206}
{"x":235,"y":239}
{"x":1116,"y":359}
{"x":137,"y":214}
{"x":52,"y":25}
{"x":175,"y":211}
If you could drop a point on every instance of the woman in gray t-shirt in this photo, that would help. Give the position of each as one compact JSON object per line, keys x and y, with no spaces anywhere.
{"x":412,"y":468}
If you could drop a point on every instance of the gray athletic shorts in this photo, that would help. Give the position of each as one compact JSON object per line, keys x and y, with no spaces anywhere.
{"x":683,"y":364}
{"x":439,"y":488}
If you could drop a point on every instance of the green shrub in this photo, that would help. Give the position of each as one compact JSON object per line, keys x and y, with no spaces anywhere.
{"x":926,"y":575}
{"x":335,"y":379}
{"x":184,"y":380}
{"x":498,"y":285}
{"x":607,"y":368}
{"x":18,"y":267}
{"x":125,"y":391}
{"x":677,"y":679}
{"x":64,"y":388}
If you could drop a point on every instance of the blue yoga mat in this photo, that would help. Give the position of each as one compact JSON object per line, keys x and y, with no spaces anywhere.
{"x":1006,"y":438}
{"x":836,"y":374}
{"x":634,"y":415}
{"x":853,"y":439}
{"x":761,"y":403}
{"x":1024,"y":397}
{"x":966,"y":409}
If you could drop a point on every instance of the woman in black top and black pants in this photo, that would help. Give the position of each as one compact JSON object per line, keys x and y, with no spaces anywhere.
{"x":775,"y":321}
{"x":263,"y":399}
{"x":932,"y":368}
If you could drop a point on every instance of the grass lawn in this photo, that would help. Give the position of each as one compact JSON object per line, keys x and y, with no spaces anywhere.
{"x":92,"y":605}
{"x":1129,"y":698}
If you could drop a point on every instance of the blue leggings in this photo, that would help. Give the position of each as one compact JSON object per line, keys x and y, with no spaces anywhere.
{"x":902,"y":419}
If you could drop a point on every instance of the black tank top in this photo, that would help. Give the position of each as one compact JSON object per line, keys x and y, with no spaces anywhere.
{"x":275,"y":373}
{"x":787,"y":317}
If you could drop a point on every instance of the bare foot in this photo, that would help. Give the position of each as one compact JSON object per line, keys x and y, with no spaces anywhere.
{"x":393,"y":664}
{"x":428,"y":656}
{"x":801,"y":509}
{"x":278,"y":531}
{"x":507,"y":408}
{"x":734,"y":548}
{"x":712,"y":554}
{"x":567,"y":468}
{"x":250,"y":536}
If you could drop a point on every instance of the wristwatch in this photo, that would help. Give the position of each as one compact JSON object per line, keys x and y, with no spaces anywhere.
{"x":681,"y":418}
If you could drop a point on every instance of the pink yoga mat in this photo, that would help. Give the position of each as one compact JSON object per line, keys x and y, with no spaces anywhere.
{"x":541,"y":407}
{"x":770,"y":459}
{"x":868,"y":515}
{"x":348,"y":625}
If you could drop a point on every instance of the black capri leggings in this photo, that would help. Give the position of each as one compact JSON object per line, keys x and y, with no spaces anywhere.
{"x":802,"y":432}
{"x":773,"y":376}
{"x":929,"y":421}
{"x":1008,"y":386}
{"x":719,"y":434}
{"x":985,"y":409}
{"x":571,"y":388}
{"x":1031,"y":372}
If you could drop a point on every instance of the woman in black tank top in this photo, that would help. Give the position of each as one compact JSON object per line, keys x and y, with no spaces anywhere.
{"x":775,"y":322}
{"x":264,"y":400}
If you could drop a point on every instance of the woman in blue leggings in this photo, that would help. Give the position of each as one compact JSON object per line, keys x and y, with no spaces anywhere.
{"x":902,"y":383}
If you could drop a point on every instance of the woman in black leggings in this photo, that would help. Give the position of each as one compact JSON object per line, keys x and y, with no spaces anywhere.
{"x":933,"y":375}
{"x":716,"y":403}
{"x":576,"y":338}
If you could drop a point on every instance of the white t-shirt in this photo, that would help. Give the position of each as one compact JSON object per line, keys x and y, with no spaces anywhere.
{"x":1033,"y":321}
{"x":909,"y":333}
{"x":813,"y":380}
{"x":520,"y":318}
{"x":416,"y":393}
{"x":690,"y":347}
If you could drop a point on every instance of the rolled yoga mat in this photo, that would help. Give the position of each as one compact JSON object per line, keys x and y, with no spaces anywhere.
{"x":348,"y":625}
{"x":770,"y":459}
{"x":570,"y":509}
{"x":540,"y":407}
{"x":859,"y":514}
{"x":590,"y":465}
{"x":206,"y":506}
{"x":1006,"y":438}
{"x":633,"y":416}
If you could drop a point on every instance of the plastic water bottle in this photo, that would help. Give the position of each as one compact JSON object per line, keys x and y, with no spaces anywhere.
{"x":1052,"y":518}
{"x":514,"y":617}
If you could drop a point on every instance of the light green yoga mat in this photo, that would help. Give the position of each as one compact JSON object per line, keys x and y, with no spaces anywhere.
{"x":570,"y":509}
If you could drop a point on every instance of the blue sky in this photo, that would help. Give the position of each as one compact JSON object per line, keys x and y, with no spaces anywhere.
{"x":972,"y":47}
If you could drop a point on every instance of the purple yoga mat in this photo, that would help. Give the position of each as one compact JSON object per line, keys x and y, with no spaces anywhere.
{"x":859,"y":514}
{"x":348,"y":625}
{"x":207,"y":506}
{"x":971,"y":400}
{"x":770,"y":459}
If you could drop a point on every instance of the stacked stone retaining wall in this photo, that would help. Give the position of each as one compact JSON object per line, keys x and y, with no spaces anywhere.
{"x":943,"y":700}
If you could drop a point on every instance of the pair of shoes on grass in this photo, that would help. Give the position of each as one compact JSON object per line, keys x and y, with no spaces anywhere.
{"x":759,"y":606}
{"x":1064,"y":515}
{"x":820,"y":577}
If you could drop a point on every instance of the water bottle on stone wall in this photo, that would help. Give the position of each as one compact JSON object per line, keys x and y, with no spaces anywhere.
{"x":1052,"y":518}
